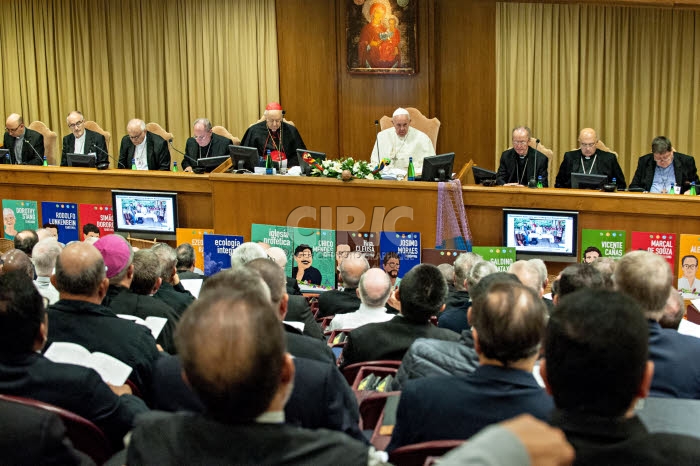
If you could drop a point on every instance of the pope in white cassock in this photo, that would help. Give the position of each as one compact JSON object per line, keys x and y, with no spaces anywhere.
{"x":401,"y":142}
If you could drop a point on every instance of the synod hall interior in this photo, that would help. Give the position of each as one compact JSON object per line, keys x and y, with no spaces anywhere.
{"x":630,"y":69}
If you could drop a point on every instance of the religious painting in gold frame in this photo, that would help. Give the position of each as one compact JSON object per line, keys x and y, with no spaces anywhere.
{"x":381,"y":36}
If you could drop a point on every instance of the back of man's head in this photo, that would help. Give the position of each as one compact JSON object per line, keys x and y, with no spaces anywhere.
{"x":44,"y":256}
{"x":422,"y":293}
{"x":374,"y":288}
{"x":479,"y":290}
{"x":146,"y":272}
{"x":646,"y":278}
{"x":185,"y":256}
{"x":463,"y":264}
{"x":21,"y":313}
{"x":478,"y":271}
{"x":15,"y":260}
{"x":232,"y":349}
{"x":606,"y":266}
{"x":237,"y":278}
{"x":596,"y":350}
{"x":352,"y":268}
{"x":80,"y":270}
{"x":272,"y":275}
{"x":25,"y":241}
{"x":278,"y":255}
{"x":509,"y":319}
{"x":673,"y":311}
{"x":246,"y":252}
{"x":528,"y":274}
{"x":542,"y":269}
{"x":578,"y":276}
{"x":168,"y":261}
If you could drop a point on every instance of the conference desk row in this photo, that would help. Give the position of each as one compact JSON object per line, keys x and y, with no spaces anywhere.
{"x":230,"y":203}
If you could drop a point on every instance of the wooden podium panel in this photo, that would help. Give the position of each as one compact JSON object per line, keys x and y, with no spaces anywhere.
{"x":90,"y":186}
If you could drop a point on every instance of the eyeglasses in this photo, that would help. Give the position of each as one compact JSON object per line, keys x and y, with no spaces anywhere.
{"x":9,"y":130}
{"x":134,"y":138}
{"x":588,"y":145}
{"x":271,"y":121}
{"x":304,"y":254}
{"x":520,"y":143}
{"x":76,"y":124}
{"x":203,"y":136}
{"x":690,"y":266}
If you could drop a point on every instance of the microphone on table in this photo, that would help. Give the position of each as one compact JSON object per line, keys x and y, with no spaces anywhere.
{"x":41,"y":159}
{"x":376,"y":141}
{"x":105,"y":165}
{"x":194,"y":163}
{"x":532,"y":183}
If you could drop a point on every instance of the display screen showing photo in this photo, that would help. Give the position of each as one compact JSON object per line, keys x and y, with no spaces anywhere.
{"x":541,"y":232}
{"x":145,"y":211}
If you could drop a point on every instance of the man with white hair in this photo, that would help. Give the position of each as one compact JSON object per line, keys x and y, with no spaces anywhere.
{"x":528,"y":274}
{"x":143,"y":149}
{"x":276,"y":135}
{"x":171,"y":291}
{"x":279,"y":257}
{"x":402,"y":141}
{"x":44,"y":256}
{"x":373,"y":291}
{"x":82,"y":140}
{"x":247,"y":252}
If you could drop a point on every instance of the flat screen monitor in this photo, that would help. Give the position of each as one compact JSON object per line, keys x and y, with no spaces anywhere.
{"x":305,"y":167}
{"x":5,"y":156}
{"x":482,"y":174}
{"x":81,"y":160}
{"x":588,"y":181}
{"x":438,"y":167}
{"x":551,"y":235}
{"x":243,"y":157}
{"x":151,"y":212}
{"x":210,"y":163}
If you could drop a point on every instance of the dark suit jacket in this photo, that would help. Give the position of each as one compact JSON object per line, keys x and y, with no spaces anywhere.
{"x":508,"y":172}
{"x":321,"y":398}
{"x":389,"y":340}
{"x":97,"y":328}
{"x":157,"y":152}
{"x":33,"y":436}
{"x":454,"y":317}
{"x":293,"y":287}
{"x":623,"y":442}
{"x":219,"y":146}
{"x":187,"y":275}
{"x":676,"y":363}
{"x":302,"y":346}
{"x":298,"y":310}
{"x":178,"y":298}
{"x":335,"y":302}
{"x":683,"y":166}
{"x":91,"y":139}
{"x":457,"y":407}
{"x":75,"y":388}
{"x":605,"y":164}
{"x":28,"y":156}
{"x":185,"y":438}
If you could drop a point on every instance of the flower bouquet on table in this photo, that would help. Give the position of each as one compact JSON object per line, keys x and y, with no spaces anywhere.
{"x":344,"y":169}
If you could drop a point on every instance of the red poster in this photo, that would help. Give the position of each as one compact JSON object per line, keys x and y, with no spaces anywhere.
{"x":97,"y":214}
{"x":663,"y":244}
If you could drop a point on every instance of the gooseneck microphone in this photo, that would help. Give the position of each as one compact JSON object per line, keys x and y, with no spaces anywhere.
{"x":194,"y":162}
{"x":41,"y":159}
{"x":100,"y":165}
{"x":376,"y":141}
{"x":532,"y":183}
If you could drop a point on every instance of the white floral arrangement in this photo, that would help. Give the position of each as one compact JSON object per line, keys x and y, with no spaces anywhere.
{"x":344,"y":169}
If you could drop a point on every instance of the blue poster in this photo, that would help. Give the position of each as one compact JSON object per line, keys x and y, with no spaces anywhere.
{"x":217,"y":252}
{"x":405,"y":245}
{"x":65,"y":216}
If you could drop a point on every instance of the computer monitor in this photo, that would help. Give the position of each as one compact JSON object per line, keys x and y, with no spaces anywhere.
{"x":5,"y":156}
{"x":588,"y":181}
{"x":81,"y":160}
{"x":305,"y":167}
{"x":243,"y":157}
{"x":438,"y":167}
{"x":482,"y":174}
{"x":150,"y":212}
{"x":550,"y":235}
{"x":210,"y":163}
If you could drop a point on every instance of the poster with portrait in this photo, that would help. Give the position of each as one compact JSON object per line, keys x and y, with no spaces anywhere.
{"x":313,"y":260}
{"x":362,"y":242}
{"x":18,"y":216}
{"x":502,"y":257}
{"x":399,"y":252}
{"x":65,"y":216}
{"x":602,"y":243}
{"x":100,"y":215}
{"x":381,"y":36}
{"x":663,"y":244}
{"x":688,"y":254}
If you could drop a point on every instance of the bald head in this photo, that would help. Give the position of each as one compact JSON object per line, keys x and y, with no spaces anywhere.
{"x":14,"y":120}
{"x":528,"y":274}
{"x":17,"y":261}
{"x":587,"y":139}
{"x":278,"y":256}
{"x":374,"y":288}
{"x":352,"y":268}
{"x":80,"y":270}
{"x":135,"y":125}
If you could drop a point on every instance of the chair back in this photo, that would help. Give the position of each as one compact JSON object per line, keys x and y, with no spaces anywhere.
{"x":601,"y":145}
{"x":221,"y":131}
{"x":85,"y":436}
{"x":430,"y":126}
{"x":50,"y":139}
{"x":350,"y":371}
{"x":416,"y":454}
{"x":93,"y":126}
{"x":6,"y":245}
{"x":155,"y":128}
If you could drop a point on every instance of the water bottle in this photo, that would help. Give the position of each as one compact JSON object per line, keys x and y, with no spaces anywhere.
{"x":174,"y":167}
{"x":133,"y":164}
{"x":411,"y":170}
{"x":614,"y":183}
{"x":692,"y":189}
{"x":671,"y":190}
{"x":46,"y":163}
{"x":283,"y":167}
{"x":539,"y":182}
{"x":268,"y":163}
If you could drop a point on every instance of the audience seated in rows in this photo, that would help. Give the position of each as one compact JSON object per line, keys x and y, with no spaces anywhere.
{"x":44,"y":256}
{"x":454,"y":317}
{"x":374,"y":290}
{"x":171,"y":291}
{"x":674,"y":311}
{"x":448,"y":273}
{"x":335,"y":302}
{"x":596,"y":367}
{"x":421,"y":294}
{"x":25,"y":241}
{"x":185,"y":262}
{"x":508,"y":324}
{"x":15,"y":260}
{"x":279,"y":256}
{"x":25,"y":372}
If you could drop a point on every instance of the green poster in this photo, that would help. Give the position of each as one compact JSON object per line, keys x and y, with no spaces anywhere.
{"x":314,"y":252}
{"x":275,"y":235}
{"x":500,"y":256}
{"x":18,"y":216}
{"x":602,"y":243}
